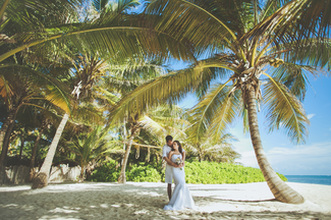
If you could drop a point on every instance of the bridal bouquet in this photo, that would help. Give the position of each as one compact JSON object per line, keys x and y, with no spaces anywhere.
{"x":178,"y":161}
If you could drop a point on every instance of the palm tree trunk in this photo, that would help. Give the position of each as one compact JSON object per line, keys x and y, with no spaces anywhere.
{"x":279,"y":188}
{"x":41,"y":180}
{"x":3,"y":133}
{"x":22,"y":146}
{"x":82,"y":171}
{"x":122,"y":178}
{"x":6,"y":130}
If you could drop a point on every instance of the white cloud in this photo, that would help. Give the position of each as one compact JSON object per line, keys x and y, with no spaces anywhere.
{"x":305,"y":159}
{"x":285,"y":157}
{"x":310,"y":116}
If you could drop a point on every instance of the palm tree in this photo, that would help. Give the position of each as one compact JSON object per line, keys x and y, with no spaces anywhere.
{"x":241,"y":39}
{"x":219,"y":151}
{"x":22,"y":85}
{"x":112,"y":33}
{"x":89,"y":148}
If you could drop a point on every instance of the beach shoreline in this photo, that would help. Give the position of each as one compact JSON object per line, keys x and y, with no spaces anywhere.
{"x":91,"y":200}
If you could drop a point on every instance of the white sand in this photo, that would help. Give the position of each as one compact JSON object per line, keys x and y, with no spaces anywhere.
{"x":146,"y":200}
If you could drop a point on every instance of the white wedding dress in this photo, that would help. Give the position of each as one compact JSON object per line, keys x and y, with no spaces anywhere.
{"x":181,"y":196}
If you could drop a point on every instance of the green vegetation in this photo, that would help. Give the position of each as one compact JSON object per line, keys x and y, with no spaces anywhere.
{"x":71,"y":67}
{"x":218,"y":173}
{"x":196,"y":172}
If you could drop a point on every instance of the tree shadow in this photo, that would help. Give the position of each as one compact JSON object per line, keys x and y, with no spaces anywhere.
{"x":115,"y":201}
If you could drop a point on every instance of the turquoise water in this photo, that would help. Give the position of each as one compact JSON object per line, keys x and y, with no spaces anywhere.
{"x":315,"y":179}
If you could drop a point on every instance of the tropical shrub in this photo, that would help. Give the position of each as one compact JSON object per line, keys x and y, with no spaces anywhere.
{"x":108,"y":172}
{"x":196,"y":172}
{"x":143,"y":174}
{"x":218,"y":173}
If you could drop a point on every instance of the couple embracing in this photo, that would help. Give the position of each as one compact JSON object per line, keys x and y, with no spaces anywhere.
{"x":174,"y":155}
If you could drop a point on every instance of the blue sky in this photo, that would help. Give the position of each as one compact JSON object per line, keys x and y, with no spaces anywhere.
{"x":310,"y":158}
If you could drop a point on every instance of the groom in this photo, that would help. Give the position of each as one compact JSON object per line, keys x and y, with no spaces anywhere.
{"x":168,"y":171}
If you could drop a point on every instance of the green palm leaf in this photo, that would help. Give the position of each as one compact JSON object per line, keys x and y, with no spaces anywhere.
{"x":184,"y":20}
{"x":313,"y":52}
{"x":38,"y":83}
{"x":213,"y":113}
{"x":169,"y":88}
{"x":293,"y":20}
{"x":285,"y":110}
{"x":294,"y":77}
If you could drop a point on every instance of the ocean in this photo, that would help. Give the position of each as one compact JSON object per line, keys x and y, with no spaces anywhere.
{"x":315,"y":179}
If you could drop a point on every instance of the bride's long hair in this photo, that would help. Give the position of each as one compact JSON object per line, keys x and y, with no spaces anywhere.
{"x":180,"y":149}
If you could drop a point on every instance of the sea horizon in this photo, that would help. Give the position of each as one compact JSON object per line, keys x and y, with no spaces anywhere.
{"x":313,"y":179}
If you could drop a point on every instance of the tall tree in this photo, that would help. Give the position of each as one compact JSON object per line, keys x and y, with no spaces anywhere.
{"x":21,"y":85}
{"x":111,"y":34}
{"x":241,"y":38}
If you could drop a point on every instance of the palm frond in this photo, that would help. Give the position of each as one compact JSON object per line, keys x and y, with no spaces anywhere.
{"x":169,"y":88}
{"x":100,"y":5}
{"x":31,"y":14}
{"x":313,"y":52}
{"x":213,"y":113}
{"x":110,"y":40}
{"x":37,"y":83}
{"x":293,"y":20}
{"x":152,"y":126}
{"x":224,"y":115}
{"x":285,"y":110}
{"x":183,"y":20}
{"x":294,"y":77}
{"x":88,"y":114}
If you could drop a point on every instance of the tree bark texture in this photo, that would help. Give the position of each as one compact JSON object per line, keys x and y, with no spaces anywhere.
{"x":41,"y":180}
{"x":278,"y":187}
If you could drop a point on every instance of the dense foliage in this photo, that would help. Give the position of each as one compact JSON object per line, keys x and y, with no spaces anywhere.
{"x":196,"y":172}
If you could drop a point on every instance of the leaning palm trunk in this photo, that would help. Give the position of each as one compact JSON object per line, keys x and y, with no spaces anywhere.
{"x":41,"y":179}
{"x":82,"y":173}
{"x":280,"y":190}
{"x":122,"y":178}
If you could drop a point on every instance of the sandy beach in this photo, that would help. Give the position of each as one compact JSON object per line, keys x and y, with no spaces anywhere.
{"x":146,"y":201}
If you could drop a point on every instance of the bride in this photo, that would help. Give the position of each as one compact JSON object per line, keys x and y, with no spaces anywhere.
{"x":181,"y":197}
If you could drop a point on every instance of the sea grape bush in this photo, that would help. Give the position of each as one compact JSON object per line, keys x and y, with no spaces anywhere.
{"x":196,"y":172}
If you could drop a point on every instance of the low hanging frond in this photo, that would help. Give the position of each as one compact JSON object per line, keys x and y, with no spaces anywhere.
{"x":169,"y":88}
{"x":213,"y":113}
{"x":285,"y":110}
{"x":228,"y":109}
